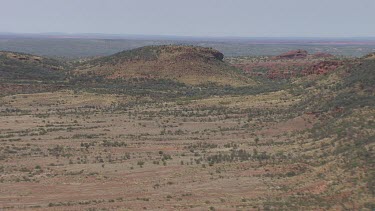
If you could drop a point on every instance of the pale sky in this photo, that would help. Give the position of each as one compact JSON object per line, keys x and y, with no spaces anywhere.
{"x":246,"y":18}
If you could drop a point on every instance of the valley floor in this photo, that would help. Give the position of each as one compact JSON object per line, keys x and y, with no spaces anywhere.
{"x":70,"y":150}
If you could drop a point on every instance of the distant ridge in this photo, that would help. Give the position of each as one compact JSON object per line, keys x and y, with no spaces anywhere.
{"x":258,"y":40}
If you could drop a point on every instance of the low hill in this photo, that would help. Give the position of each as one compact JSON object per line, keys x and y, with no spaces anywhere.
{"x":288,"y":65}
{"x":19,"y":66}
{"x":186,"y":64}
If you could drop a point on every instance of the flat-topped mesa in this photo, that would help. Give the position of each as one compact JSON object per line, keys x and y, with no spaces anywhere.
{"x":322,"y":55}
{"x":295,"y":54}
{"x":302,"y":54}
{"x":192,"y":51}
{"x":187,"y":64}
{"x":161,"y":53}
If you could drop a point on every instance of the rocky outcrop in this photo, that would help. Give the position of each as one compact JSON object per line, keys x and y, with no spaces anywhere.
{"x":370,"y":56}
{"x":322,"y":67}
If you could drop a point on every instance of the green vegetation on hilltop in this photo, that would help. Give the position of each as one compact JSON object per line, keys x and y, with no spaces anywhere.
{"x":18,"y":66}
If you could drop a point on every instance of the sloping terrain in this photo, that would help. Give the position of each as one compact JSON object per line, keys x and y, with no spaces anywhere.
{"x":307,"y":144}
{"x":342,"y":141}
{"x":185,"y":64}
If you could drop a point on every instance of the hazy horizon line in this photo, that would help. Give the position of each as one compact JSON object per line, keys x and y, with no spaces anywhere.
{"x":178,"y":36}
